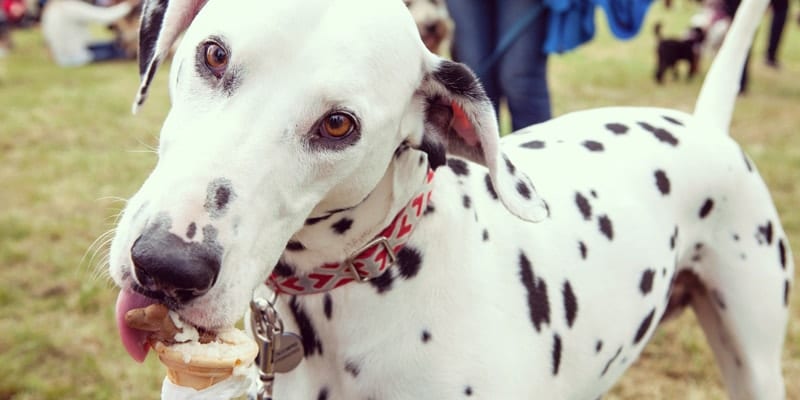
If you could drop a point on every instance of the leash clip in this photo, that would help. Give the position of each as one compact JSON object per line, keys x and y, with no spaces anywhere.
{"x":267,"y":328}
{"x":279,"y":351}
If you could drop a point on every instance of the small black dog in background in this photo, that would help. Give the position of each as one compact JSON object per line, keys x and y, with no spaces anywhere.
{"x":670,"y":51}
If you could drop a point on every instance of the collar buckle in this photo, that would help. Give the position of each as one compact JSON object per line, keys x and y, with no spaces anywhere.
{"x":391,"y":257}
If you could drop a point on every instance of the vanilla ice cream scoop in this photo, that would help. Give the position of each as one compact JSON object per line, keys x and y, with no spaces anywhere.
{"x":193,"y":359}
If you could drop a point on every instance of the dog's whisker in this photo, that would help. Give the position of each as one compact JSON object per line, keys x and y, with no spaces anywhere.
{"x":99,"y":244}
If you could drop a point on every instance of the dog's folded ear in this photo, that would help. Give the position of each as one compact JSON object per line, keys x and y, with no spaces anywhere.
{"x":460,"y":118}
{"x":162,"y":22}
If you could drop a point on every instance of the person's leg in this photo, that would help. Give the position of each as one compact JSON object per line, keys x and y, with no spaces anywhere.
{"x":744,"y":81}
{"x":779,"y":10}
{"x":474,"y":39}
{"x":523,"y":68}
{"x":104,"y":51}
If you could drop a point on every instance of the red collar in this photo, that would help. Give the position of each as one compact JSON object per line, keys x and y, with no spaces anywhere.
{"x":366,"y":263}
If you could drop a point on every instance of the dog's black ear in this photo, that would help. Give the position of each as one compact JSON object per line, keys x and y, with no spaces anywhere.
{"x":461,"y":119}
{"x":162,"y":22}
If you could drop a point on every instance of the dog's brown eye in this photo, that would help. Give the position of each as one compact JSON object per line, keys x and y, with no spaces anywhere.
{"x":216,"y":58}
{"x":337,"y":125}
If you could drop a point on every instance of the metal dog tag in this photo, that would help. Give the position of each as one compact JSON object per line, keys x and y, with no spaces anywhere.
{"x":288,"y":353}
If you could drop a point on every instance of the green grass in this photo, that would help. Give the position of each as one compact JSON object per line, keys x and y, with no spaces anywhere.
{"x":70,"y":150}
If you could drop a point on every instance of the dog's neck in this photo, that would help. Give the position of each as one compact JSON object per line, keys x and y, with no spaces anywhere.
{"x":333,"y":237}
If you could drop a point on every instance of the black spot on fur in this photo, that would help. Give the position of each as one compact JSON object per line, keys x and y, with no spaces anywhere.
{"x":294,"y":245}
{"x":538,"y":304}
{"x":402,"y":148}
{"x":608,"y":364}
{"x":437,"y":154}
{"x":605,"y":226}
{"x":533,"y":144}
{"x":429,"y":209}
{"x":661,"y":134}
{"x":426,"y":336}
{"x":593,"y":193}
{"x":646,"y":283}
{"x":747,"y":162}
{"x":706,"y":208}
{"x":218,"y":195}
{"x":315,"y":220}
{"x":617,"y":129}
{"x":466,"y":201}
{"x":782,"y":253}
{"x":383,"y":282}
{"x":598,"y":346}
{"x":786,"y":293}
{"x":673,"y":239}
{"x":468,"y":391}
{"x":191,"y":230}
{"x":283,"y":269}
{"x":509,"y":165}
{"x":485,"y":235}
{"x":343,"y":225}
{"x":735,"y":237}
{"x":583,"y":206}
{"x":327,"y":306}
{"x":570,"y":303}
{"x":672,"y":120}
{"x":764,"y":233}
{"x":458,"y":166}
{"x":717,"y":296}
{"x":459,"y":80}
{"x":490,"y":186}
{"x":409,"y":262}
{"x":583,"y":249}
{"x":662,"y":182}
{"x":523,"y":190}
{"x":323,"y":394}
{"x":556,"y":353}
{"x":593,"y":145}
{"x":644,"y":326}
{"x":352,"y":368}
{"x":311,"y":343}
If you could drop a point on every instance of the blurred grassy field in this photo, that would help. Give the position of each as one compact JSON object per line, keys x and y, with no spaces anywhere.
{"x":71,"y":151}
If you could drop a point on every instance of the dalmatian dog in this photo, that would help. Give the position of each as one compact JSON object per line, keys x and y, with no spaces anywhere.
{"x":317,"y":150}
{"x":433,"y":23}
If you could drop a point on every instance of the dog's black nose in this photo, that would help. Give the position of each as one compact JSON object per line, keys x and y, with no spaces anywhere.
{"x":165,"y":264}
{"x":432,"y":28}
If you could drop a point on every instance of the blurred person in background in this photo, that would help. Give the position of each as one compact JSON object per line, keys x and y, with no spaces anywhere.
{"x":780,"y":8}
{"x":519,"y":74}
{"x":11,"y":13}
{"x":14,"y":10}
{"x":66,"y":27}
{"x":5,"y":34}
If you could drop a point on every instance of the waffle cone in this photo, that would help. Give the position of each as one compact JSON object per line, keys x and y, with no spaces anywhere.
{"x":201,"y":365}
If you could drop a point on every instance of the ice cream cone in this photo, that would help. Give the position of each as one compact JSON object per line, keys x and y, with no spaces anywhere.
{"x":200,"y":365}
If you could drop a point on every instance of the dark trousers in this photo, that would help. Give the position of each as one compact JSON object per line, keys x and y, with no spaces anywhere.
{"x":779,"y":10}
{"x":520,"y":75}
{"x":105,"y":51}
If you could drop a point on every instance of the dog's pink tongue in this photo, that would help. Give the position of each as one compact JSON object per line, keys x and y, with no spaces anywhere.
{"x":134,"y":340}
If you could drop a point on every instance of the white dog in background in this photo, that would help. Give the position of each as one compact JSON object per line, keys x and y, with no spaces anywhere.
{"x":433,"y":22}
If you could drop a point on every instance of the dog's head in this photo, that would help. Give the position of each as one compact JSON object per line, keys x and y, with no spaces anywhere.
{"x":280,"y":109}
{"x":433,"y":22}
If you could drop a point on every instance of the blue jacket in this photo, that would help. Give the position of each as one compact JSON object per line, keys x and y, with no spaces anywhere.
{"x":571,"y":22}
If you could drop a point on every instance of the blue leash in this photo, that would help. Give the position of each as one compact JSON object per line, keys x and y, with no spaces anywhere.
{"x":508,"y":39}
